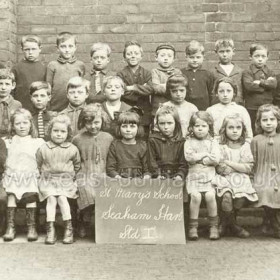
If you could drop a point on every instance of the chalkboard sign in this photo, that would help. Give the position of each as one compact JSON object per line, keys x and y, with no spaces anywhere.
{"x":139,"y":211}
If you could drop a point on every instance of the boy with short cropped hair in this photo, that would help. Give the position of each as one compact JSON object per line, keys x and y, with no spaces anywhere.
{"x":165,"y":56}
{"x":225,"y":51}
{"x":259,"y":81}
{"x":138,"y":81}
{"x":8,"y":105}
{"x":113,"y":90}
{"x":61,"y":70}
{"x":201,"y":81}
{"x":28,"y":70}
{"x":40,"y":95}
{"x":100,"y":59}
{"x":77,"y":93}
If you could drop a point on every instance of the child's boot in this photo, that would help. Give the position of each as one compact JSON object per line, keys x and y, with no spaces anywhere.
{"x":224,"y":220}
{"x":32,"y":234}
{"x":10,"y":231}
{"x":236,"y":229}
{"x":213,"y":230}
{"x":68,"y":233}
{"x":51,"y":235}
{"x":193,"y":225}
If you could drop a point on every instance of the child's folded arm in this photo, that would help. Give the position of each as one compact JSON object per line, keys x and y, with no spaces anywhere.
{"x":248,"y":83}
{"x":240,"y":167}
{"x":269,"y":83}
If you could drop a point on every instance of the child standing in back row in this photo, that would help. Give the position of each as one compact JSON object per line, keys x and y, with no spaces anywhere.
{"x":138,"y":82}
{"x":165,"y":56}
{"x":201,"y":81}
{"x":225,"y":51}
{"x":61,"y":70}
{"x":259,"y":81}
{"x":29,"y":69}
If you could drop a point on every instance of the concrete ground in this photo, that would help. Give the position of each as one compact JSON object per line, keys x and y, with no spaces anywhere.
{"x":256,"y":258}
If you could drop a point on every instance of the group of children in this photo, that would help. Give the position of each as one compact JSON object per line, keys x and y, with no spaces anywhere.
{"x":188,"y":124}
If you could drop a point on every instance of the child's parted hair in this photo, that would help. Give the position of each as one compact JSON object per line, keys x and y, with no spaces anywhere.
{"x":110,"y":78}
{"x":204,"y":116}
{"x":5,"y":73}
{"x":224,"y":140}
{"x":228,"y":81}
{"x":40,"y":85}
{"x":165,"y":46}
{"x":100,"y":46}
{"x":164,"y":110}
{"x":61,"y":119}
{"x":129,"y":117}
{"x":255,"y":47}
{"x":22,"y":112}
{"x":131,"y":43}
{"x":64,"y":36}
{"x":194,"y":47}
{"x":176,"y":81}
{"x":263,"y":109}
{"x":78,"y":81}
{"x":224,"y":43}
{"x":31,"y":38}
{"x":89,"y":113}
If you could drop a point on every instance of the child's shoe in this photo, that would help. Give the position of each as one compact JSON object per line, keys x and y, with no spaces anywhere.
{"x":32,"y":234}
{"x":236,"y":229}
{"x":193,"y":225}
{"x":51,"y":235}
{"x":68,"y":233}
{"x":10,"y":231}
{"x":213,"y":231}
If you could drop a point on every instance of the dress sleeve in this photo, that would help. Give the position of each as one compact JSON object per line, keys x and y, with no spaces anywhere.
{"x":76,"y":160}
{"x":144,"y":161}
{"x":183,"y":166}
{"x":112,"y":163}
{"x":254,"y":150}
{"x":39,"y":159}
{"x":152,"y":158}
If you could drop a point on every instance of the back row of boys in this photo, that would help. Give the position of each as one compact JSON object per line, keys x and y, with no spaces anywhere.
{"x":256,"y":86}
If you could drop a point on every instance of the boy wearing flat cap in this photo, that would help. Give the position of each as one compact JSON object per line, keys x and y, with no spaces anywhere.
{"x":165,"y":55}
{"x":201,"y":81}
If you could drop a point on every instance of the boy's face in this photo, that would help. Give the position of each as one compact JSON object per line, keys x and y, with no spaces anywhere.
{"x":259,"y":58}
{"x":195,"y":60}
{"x":77,"y":96}
{"x":40,"y":99}
{"x":100,"y":60}
{"x":178,"y":94}
{"x":31,"y":51}
{"x":113,"y":90}
{"x":133,"y":55}
{"x":6,"y":86}
{"x":67,"y":49}
{"x":225,"y":55}
{"x":165,"y":58}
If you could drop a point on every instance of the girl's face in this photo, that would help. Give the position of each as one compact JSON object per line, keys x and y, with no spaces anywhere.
{"x":113,"y":90}
{"x":225,"y":93}
{"x":234,"y":129}
{"x":201,"y":129}
{"x":129,"y":130}
{"x":268,"y":122}
{"x":59,"y":133}
{"x":94,"y":126}
{"x":166,"y":125}
{"x":178,"y":94}
{"x":22,"y":125}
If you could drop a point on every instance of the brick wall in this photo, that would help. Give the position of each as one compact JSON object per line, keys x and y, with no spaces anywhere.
{"x":8,"y":29}
{"x":151,"y":22}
